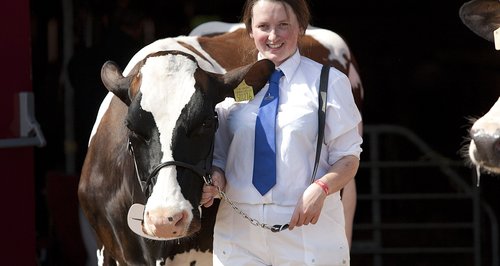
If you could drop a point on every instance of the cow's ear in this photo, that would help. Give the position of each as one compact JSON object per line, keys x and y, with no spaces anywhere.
{"x":254,"y":75}
{"x":481,"y":17}
{"x":115,"y":82}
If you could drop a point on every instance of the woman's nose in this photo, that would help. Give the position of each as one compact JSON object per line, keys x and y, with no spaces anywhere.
{"x":272,"y":35}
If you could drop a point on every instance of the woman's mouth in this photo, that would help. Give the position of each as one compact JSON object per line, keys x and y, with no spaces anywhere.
{"x":274,"y":46}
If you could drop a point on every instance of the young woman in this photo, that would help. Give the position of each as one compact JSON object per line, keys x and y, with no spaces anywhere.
{"x":314,"y":212}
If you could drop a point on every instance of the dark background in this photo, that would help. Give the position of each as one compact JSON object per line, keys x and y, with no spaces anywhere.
{"x":420,"y":66}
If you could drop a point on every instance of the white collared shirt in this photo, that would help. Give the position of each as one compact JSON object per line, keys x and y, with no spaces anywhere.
{"x":296,"y":133}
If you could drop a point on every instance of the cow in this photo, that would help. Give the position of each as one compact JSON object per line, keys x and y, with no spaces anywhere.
{"x":483,"y":151}
{"x":149,"y":151}
{"x":153,"y":146}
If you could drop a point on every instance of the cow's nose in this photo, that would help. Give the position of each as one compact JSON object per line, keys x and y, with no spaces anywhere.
{"x":166,"y":223}
{"x":165,"y":218}
{"x":487,"y":145}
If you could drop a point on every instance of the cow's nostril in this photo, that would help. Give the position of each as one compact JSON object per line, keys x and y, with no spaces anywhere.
{"x":164,"y":217}
{"x":174,"y":219}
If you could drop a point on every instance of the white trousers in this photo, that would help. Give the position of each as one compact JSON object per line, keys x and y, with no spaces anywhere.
{"x":238,"y":242}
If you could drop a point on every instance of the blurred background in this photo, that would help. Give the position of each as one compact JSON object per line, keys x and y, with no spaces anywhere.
{"x":425,"y":76}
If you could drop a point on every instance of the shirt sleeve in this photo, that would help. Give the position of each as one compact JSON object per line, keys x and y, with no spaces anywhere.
{"x":342,"y":119}
{"x":222,"y":138}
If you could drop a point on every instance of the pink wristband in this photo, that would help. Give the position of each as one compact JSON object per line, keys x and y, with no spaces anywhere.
{"x":322,"y":185}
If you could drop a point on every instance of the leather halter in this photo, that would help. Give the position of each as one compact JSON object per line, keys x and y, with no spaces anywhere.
{"x":202,"y":169}
{"x":136,"y":211}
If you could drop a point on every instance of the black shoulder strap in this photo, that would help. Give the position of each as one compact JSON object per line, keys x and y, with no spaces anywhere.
{"x":323,"y":86}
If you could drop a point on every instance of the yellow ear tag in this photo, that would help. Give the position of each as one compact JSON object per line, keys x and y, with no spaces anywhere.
{"x":243,"y":92}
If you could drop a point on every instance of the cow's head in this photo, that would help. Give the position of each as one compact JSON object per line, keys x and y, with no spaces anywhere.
{"x":483,"y":18}
{"x":171,"y":123}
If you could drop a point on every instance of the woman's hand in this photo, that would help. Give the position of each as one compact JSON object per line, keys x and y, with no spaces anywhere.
{"x":210,"y":191}
{"x":308,"y":207}
{"x":310,"y":204}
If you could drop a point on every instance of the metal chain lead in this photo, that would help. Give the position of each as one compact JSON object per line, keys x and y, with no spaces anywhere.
{"x":275,"y":228}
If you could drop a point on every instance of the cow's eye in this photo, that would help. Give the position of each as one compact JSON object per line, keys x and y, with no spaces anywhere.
{"x":139,"y":137}
{"x":208,"y":123}
{"x":205,"y":128}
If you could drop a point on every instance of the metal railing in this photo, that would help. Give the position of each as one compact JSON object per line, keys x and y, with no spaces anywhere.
{"x":382,"y":143}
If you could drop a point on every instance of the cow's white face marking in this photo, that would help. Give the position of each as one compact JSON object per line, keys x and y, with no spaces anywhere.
{"x":167,"y":86}
{"x":489,"y":123}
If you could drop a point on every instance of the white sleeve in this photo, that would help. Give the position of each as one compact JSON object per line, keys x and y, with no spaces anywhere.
{"x":342,"y":118}
{"x":222,"y":137}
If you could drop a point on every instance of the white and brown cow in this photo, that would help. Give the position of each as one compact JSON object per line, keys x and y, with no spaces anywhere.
{"x":151,"y":143}
{"x":158,"y":131}
{"x":483,"y":18}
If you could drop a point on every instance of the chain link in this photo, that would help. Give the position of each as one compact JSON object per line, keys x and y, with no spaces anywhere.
{"x":275,"y":228}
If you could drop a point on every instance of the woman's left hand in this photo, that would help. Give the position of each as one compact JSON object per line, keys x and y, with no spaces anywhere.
{"x":212,"y":191}
{"x":308,"y":207}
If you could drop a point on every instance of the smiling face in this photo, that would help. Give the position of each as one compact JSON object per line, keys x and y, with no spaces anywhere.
{"x":275,"y":30}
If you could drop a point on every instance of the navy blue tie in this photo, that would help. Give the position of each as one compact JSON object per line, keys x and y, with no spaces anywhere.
{"x":264,"y":166}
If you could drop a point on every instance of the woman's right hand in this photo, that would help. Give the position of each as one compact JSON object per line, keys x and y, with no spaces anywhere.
{"x":211,"y":191}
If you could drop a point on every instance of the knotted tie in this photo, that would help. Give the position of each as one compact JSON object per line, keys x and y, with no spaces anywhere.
{"x":264,"y":167}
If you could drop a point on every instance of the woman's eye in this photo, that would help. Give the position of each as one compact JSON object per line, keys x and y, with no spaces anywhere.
{"x":283,"y":25}
{"x":262,"y":27}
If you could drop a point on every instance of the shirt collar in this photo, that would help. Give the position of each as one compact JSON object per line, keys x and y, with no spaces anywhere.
{"x":289,"y":66}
